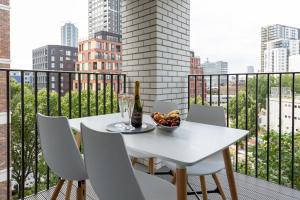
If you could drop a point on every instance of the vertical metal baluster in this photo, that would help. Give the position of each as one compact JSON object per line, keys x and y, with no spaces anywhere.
{"x":195,"y":89}
{"x":104,"y":93}
{"x":70,"y":95}
{"x":256,"y":125}
{"x":246,"y":127}
{"x":227,"y":93}
{"x":59,"y":93}
{"x":111,"y":94}
{"x":118,"y":91}
{"x":124,"y":84}
{"x":279,"y":164}
{"x":210,"y":93}
{"x":203,"y":89}
{"x":189,"y":92}
{"x":48,"y":113}
{"x":219,"y":89}
{"x":22,"y":137}
{"x":236,"y":120}
{"x":97,"y":94}
{"x":79,"y":94}
{"x":293,"y":131}
{"x":8,"y":132}
{"x":88,"y":95}
{"x":268,"y":126}
{"x":36,"y":134}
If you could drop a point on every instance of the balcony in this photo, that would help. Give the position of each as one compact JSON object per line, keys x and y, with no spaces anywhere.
{"x":266,"y":163}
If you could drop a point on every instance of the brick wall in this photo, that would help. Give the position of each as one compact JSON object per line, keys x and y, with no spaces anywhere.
{"x":4,"y":63}
{"x":156,"y":44}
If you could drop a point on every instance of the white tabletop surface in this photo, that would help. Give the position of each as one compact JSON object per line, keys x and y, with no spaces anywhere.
{"x":187,"y":145}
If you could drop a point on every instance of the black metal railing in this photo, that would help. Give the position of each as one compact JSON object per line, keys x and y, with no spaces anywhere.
{"x":52,"y":93}
{"x":266,"y":104}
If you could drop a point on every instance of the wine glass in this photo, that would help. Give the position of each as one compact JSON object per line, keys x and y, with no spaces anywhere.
{"x":130,"y":104}
{"x":123,"y":107}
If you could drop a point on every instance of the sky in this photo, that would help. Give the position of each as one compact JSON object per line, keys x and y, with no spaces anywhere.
{"x":220,"y":30}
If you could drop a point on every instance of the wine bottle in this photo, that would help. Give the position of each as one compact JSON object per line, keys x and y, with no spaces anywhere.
{"x":137,"y":114}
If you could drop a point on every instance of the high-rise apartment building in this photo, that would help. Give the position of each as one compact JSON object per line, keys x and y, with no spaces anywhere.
{"x":277,"y":53}
{"x":99,"y":55}
{"x":4,"y":63}
{"x":69,"y":35}
{"x":274,"y":32}
{"x":57,"y":58}
{"x":104,"y":15}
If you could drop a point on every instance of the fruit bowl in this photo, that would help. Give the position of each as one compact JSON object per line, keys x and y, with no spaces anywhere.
{"x":166,"y":122}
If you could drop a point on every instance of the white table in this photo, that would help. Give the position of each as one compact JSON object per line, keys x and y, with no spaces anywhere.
{"x":189,"y":144}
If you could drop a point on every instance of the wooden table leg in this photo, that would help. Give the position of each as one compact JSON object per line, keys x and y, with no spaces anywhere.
{"x":181,"y":180}
{"x":151,"y":166}
{"x":229,"y":173}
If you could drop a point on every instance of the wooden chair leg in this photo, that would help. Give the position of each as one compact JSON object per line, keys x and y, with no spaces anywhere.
{"x":69,"y":190}
{"x":203,"y":187}
{"x":173,"y":181}
{"x":217,"y":181}
{"x":79,"y":191}
{"x":151,"y":166}
{"x":57,"y":189}
{"x":133,"y":161}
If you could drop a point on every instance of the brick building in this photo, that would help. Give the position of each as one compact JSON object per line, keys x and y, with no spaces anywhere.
{"x":57,"y":58}
{"x":195,"y":68}
{"x":100,"y":54}
{"x":4,"y":63}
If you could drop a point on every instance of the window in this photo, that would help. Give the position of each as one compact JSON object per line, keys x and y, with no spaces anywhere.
{"x":52,"y":65}
{"x":52,"y":58}
{"x":68,"y":53}
{"x":61,"y":65}
{"x":68,"y":58}
{"x":52,"y":78}
{"x":52,"y":85}
{"x":61,"y":58}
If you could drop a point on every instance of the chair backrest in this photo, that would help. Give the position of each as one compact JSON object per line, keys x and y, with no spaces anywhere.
{"x":164,"y":107}
{"x":59,"y":148}
{"x":207,"y":115}
{"x":108,"y":166}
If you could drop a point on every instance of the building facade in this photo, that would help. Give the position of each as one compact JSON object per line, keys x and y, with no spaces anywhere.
{"x":16,"y":75}
{"x":196,"y":69}
{"x":276,"y":56}
{"x":275,"y":32}
{"x":69,"y":35}
{"x":212,"y":68}
{"x":4,"y":63}
{"x":104,"y":15}
{"x":98,"y":55}
{"x":250,"y":69}
{"x":54,"y":57}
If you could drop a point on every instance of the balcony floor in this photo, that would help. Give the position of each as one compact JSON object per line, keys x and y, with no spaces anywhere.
{"x":249,"y":188}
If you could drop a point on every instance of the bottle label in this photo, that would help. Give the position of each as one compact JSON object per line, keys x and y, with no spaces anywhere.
{"x":137,"y":119}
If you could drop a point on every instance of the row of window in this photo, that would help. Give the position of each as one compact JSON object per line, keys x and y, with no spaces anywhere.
{"x":290,"y":105}
{"x":100,"y":45}
{"x":98,"y":66}
{"x":289,"y":117}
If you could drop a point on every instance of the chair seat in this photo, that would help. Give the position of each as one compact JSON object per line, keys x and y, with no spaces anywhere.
{"x":207,"y":166}
{"x":154,"y":188}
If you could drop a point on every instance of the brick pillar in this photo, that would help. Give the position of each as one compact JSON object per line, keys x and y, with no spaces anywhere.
{"x":156,"y":50}
{"x":156,"y":44}
{"x":4,"y":63}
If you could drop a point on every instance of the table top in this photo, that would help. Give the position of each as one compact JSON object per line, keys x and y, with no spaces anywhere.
{"x":187,"y":145}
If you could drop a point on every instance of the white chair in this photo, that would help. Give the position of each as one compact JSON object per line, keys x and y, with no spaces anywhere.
{"x":214,"y":163}
{"x":158,"y":106}
{"x":111,"y":173}
{"x":61,"y":153}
